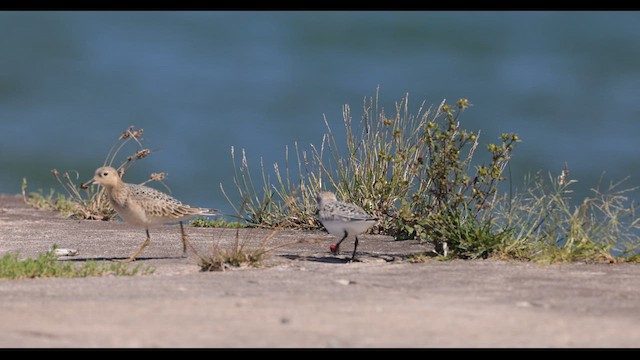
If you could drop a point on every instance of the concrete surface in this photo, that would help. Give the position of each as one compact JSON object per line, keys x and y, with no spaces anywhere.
{"x":304,"y":297}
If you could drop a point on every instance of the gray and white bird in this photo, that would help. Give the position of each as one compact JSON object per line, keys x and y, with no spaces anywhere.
{"x":143,"y":206}
{"x":342,"y":219}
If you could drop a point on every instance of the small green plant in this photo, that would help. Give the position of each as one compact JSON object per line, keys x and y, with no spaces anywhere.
{"x":47,"y":265}
{"x":216,"y":223}
{"x":452,"y":204}
{"x":466,"y":236}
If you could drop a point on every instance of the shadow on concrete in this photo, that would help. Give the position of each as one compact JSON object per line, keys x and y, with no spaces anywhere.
{"x":316,"y":258}
{"x":343,"y":259}
{"x":116,"y":259}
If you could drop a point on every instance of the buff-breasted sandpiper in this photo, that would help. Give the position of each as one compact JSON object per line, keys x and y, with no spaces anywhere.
{"x":143,"y":206}
{"x":342,"y":219}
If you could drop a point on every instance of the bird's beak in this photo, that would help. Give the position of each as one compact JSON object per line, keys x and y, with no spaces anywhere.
{"x":86,"y":185}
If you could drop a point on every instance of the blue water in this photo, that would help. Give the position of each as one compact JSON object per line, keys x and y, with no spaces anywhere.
{"x":202,"y":82}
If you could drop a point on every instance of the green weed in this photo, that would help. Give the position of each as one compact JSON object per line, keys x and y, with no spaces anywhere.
{"x":47,"y":265}
{"x":217,"y":223}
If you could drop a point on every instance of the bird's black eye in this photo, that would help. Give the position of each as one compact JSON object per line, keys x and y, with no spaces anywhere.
{"x":105,"y":173}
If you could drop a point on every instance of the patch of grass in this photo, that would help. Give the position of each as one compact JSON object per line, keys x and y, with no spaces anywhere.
{"x":276,"y":206}
{"x":631,"y":258}
{"x":238,"y":255}
{"x":424,"y":257}
{"x":466,"y":236}
{"x":245,"y":252}
{"x":47,"y":265}
{"x":217,"y":223}
{"x":51,"y":201}
{"x":546,"y":228}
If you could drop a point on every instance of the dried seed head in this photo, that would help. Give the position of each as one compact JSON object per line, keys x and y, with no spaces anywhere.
{"x":463,"y":103}
{"x":136,"y":134}
{"x":564,"y":176}
{"x":127,"y":133}
{"x":55,"y":172}
{"x":142,"y":153}
{"x":158,"y":176}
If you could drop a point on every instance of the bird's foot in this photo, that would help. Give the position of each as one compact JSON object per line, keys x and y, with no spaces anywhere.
{"x":334,"y":248}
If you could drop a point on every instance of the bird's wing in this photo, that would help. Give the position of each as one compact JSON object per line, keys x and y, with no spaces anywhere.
{"x":351,"y":211}
{"x":160,"y":204}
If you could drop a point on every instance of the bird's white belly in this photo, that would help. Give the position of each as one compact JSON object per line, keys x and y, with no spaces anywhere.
{"x":135,"y":215}
{"x":337,"y":228}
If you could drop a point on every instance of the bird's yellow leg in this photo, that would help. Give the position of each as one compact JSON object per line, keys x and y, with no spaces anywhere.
{"x":185,"y":239}
{"x":144,"y":245}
